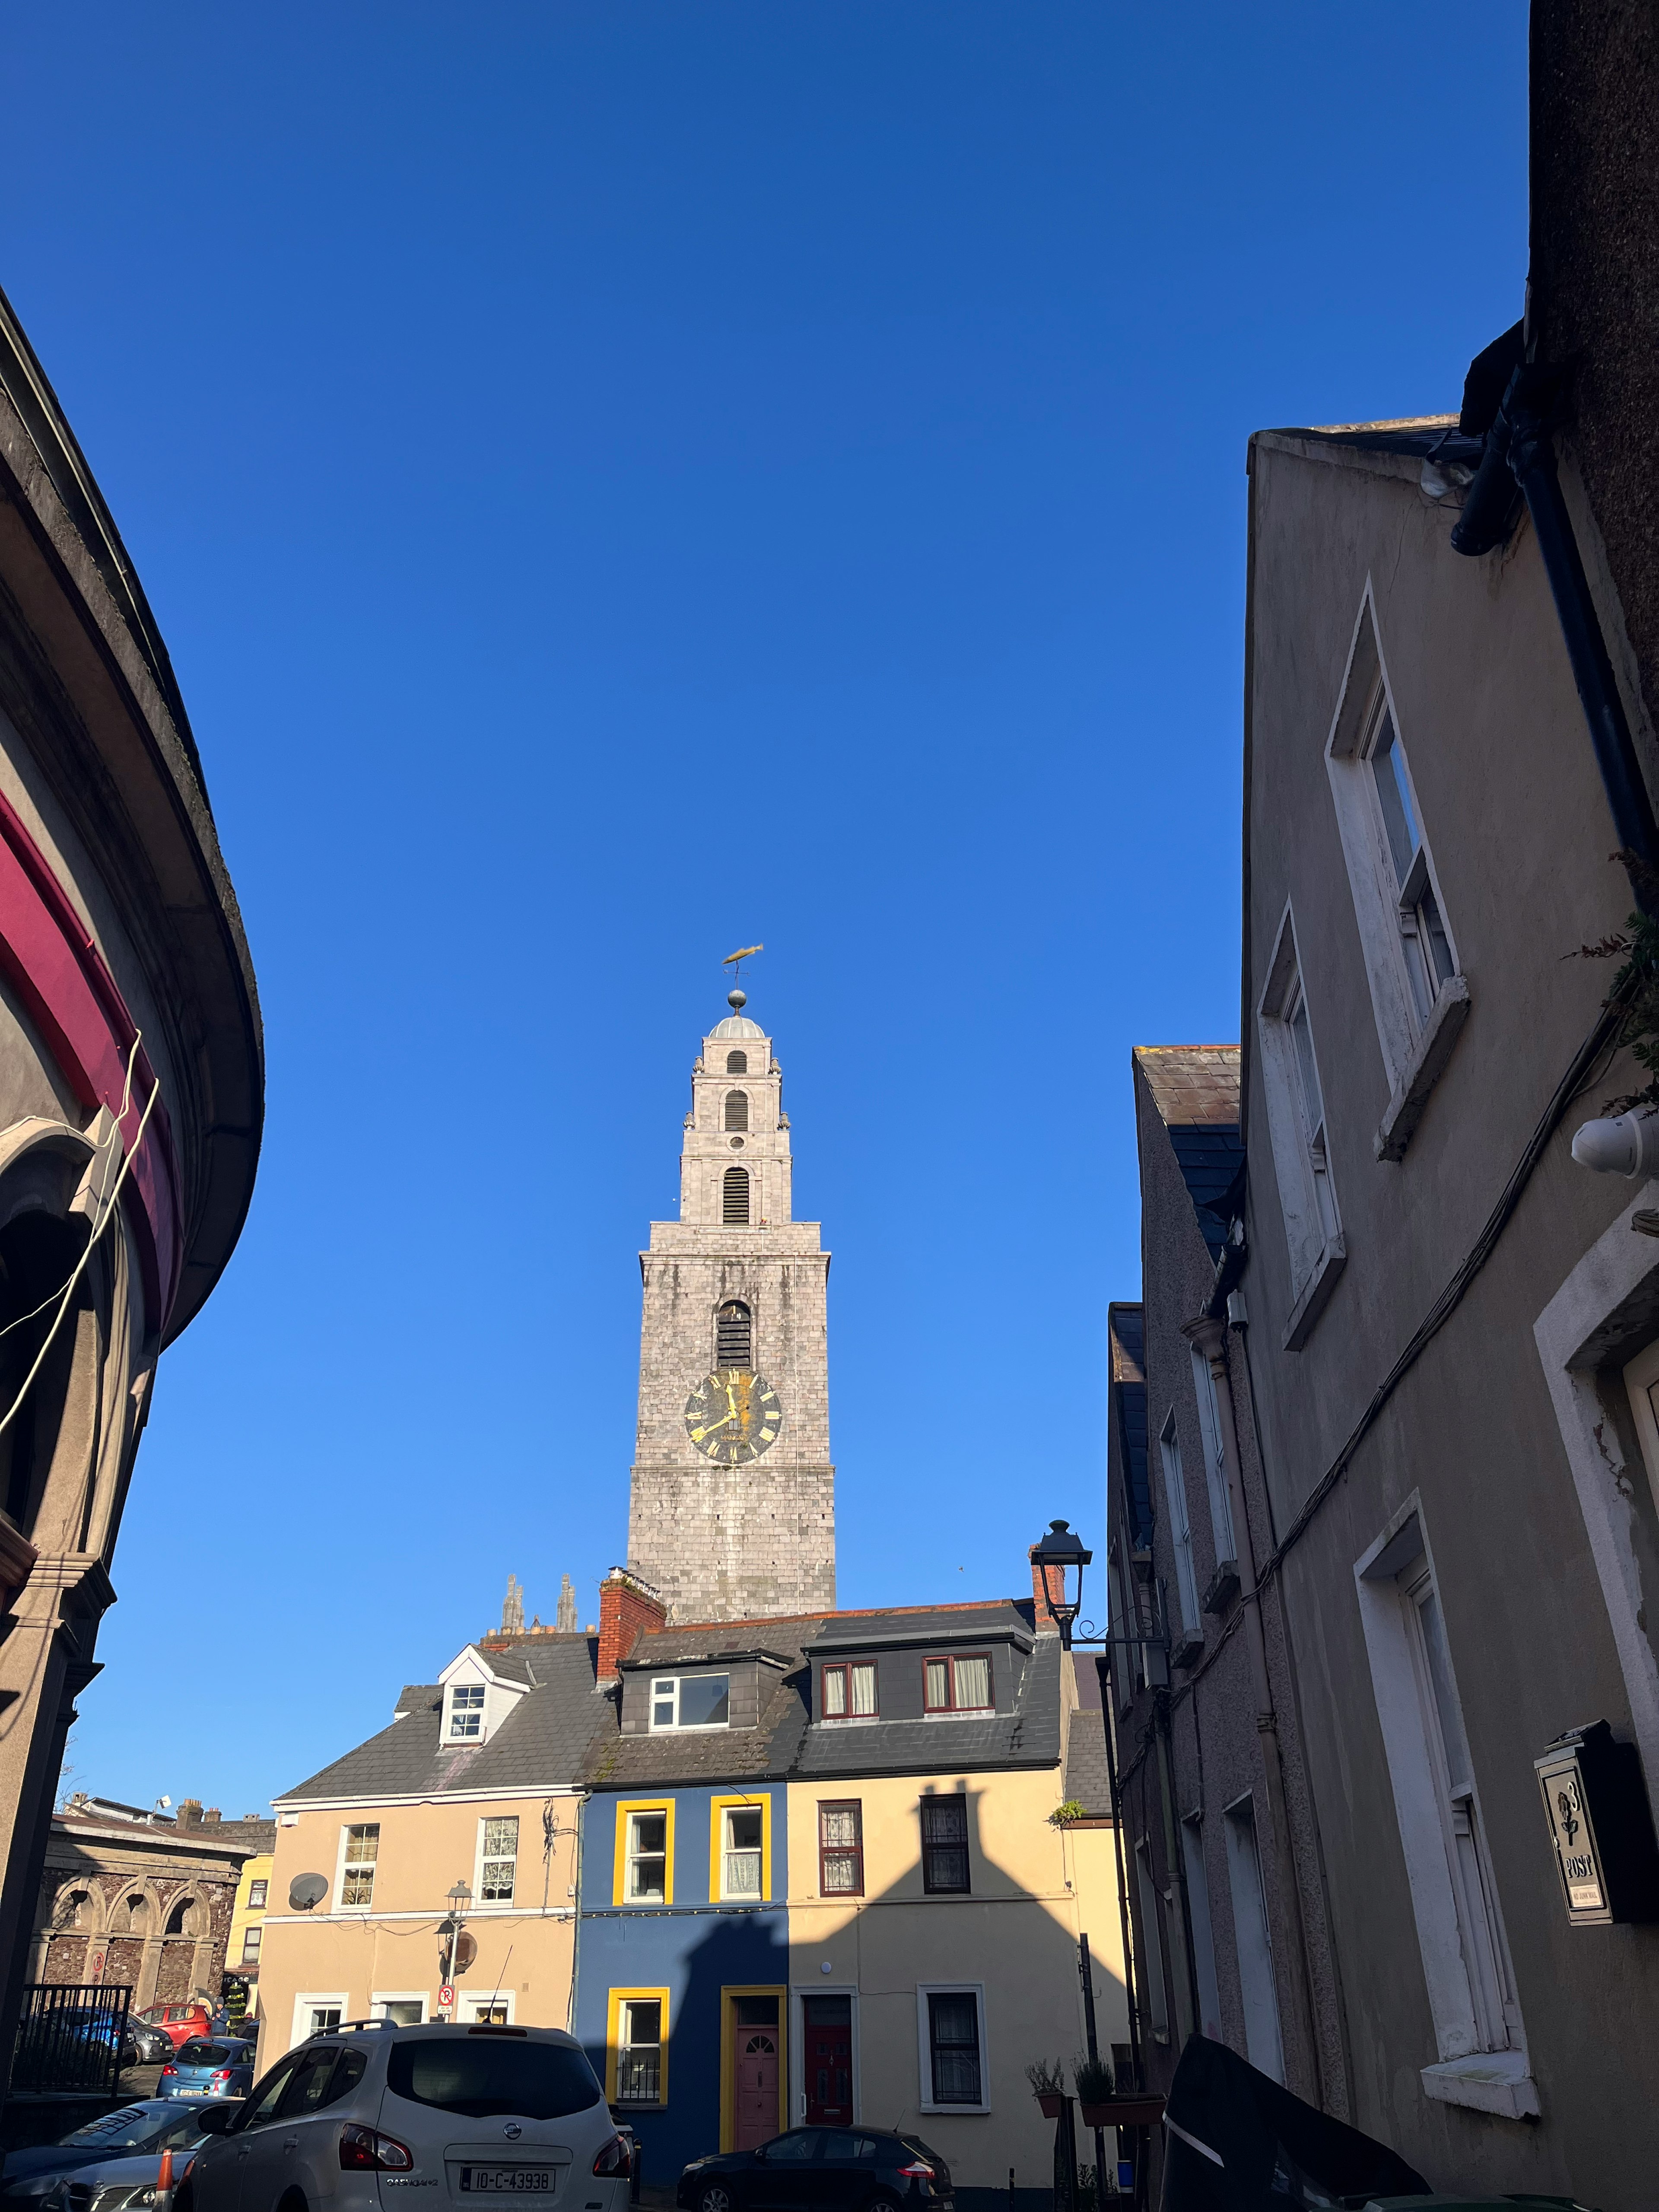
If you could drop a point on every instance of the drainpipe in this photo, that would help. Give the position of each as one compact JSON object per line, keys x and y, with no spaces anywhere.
{"x":1520,"y":450}
{"x":1210,"y":1337}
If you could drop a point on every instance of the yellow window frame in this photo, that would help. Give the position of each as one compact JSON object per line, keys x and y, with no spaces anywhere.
{"x":728,"y":2054}
{"x":626,"y":1808}
{"x":717,"y":1809}
{"x":615,"y":2002}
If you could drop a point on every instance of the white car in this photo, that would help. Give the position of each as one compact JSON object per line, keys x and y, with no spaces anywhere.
{"x":376,"y":2118}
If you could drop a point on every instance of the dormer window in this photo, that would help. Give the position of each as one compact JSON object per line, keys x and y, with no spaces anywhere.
{"x":466,"y":1711}
{"x":690,"y":1701}
{"x":849,"y":1693}
{"x":957,"y":1685}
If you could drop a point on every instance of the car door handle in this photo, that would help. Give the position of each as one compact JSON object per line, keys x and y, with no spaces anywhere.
{"x":291,"y":2143}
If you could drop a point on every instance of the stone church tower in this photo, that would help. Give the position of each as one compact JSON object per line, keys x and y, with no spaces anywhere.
{"x":732,"y":1513}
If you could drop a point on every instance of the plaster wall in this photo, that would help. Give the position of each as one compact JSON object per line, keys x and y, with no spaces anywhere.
{"x":524,"y":1948}
{"x":1514,"y":813}
{"x":1033,"y":1889}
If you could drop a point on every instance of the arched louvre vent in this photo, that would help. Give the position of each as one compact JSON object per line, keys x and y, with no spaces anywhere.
{"x":737,"y":1063}
{"x":734,"y":1338}
{"x":734,"y":1196}
{"x":736,"y":1110}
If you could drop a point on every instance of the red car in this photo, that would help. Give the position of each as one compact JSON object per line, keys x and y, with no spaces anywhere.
{"x":179,"y":2022}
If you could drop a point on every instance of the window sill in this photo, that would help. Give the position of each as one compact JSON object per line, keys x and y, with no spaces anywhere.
{"x":1315,"y":1293}
{"x":1222,"y":1590}
{"x":967,"y":2111}
{"x":1423,"y":1069}
{"x":1489,"y":2082}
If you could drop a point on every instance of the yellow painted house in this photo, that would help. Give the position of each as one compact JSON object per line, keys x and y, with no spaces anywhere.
{"x":246,"y":1935}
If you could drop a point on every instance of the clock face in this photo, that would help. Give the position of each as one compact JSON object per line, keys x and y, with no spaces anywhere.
{"x":733,"y":1416}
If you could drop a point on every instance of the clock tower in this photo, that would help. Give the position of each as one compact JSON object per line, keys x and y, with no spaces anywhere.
{"x":732,"y":1510}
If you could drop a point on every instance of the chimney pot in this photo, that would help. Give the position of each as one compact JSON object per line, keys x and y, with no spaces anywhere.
{"x":1048,"y":1584}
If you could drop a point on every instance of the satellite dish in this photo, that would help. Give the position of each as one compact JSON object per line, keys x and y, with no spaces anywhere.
{"x":306,"y":1890}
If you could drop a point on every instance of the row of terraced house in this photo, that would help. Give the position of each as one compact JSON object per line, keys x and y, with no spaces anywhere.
{"x":826,"y":1869}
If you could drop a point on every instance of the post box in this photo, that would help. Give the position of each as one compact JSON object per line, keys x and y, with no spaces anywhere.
{"x":1601,"y":1827}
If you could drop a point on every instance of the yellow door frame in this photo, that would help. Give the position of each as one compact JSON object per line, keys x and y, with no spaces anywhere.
{"x":728,"y":2064}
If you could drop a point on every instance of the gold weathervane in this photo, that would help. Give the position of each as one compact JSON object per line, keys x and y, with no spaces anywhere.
{"x":734,"y":961}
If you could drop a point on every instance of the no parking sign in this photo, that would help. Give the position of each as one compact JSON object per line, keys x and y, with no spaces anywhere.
{"x":445,"y":1996}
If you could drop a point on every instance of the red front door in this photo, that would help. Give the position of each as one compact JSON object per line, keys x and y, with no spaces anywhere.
{"x":757,"y":2074}
{"x":828,"y":2071}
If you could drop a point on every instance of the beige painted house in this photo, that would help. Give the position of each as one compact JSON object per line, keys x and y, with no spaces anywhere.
{"x":475,"y":1782}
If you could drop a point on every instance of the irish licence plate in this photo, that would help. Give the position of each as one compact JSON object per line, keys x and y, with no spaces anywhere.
{"x":506,"y":2180}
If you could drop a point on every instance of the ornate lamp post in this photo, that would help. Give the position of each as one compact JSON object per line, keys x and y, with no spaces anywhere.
{"x":1065,"y":1554}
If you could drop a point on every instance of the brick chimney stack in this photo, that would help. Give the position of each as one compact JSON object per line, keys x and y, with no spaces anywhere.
{"x":190,"y":1812}
{"x":1048,"y":1584}
{"x":629,"y":1608}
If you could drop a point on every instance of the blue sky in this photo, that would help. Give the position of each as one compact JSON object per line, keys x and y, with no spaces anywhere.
{"x":621,"y":481}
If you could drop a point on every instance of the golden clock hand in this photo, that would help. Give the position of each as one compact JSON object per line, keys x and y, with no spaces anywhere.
{"x":697,"y":1435}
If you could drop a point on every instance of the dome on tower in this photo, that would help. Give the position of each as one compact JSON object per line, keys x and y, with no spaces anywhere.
{"x":737,"y":1026}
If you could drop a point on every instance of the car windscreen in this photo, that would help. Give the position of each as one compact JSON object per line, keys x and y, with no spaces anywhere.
{"x":483,"y":2076}
{"x":130,"y":2128}
{"x":196,"y":2052}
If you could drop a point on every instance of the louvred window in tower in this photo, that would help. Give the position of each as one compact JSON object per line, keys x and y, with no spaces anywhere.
{"x":737,"y":1063}
{"x":734,"y":1197}
{"x":736,"y":1110}
{"x":734,"y":1337}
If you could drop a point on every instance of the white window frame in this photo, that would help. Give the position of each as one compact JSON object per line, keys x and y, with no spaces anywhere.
{"x":631,"y":1856}
{"x":346,"y":1827}
{"x":1313,"y":1219}
{"x":1253,"y":1941}
{"x":304,"y":2001}
{"x":1472,"y":2069}
{"x":489,"y":1998}
{"x":476,"y":1707}
{"x":495,"y":1902}
{"x":1418,"y":1014}
{"x":379,"y":1999}
{"x":1180,"y":1533}
{"x":1215,"y":1461}
{"x":925,"y":2047}
{"x":675,"y":1727}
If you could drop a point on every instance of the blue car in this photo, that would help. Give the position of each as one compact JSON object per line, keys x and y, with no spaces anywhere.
{"x":149,"y":2125}
{"x":205,"y":2067}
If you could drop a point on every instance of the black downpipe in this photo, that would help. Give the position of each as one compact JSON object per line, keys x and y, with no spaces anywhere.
{"x":1520,"y":448}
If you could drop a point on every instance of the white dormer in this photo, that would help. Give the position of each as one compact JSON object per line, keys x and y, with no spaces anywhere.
{"x":476,"y":1700}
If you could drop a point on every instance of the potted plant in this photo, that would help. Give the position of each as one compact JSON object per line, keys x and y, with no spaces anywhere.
{"x":1093,"y":2078}
{"x":1048,"y":2086}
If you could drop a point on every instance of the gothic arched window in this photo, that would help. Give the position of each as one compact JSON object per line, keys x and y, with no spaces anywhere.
{"x":184,"y":1918}
{"x":734,"y":1335}
{"x":135,"y":1912}
{"x":736,"y":1110}
{"x":734,"y":1196}
{"x":737,"y":1063}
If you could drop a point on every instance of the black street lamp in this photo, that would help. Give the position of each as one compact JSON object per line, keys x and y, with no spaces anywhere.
{"x":1060,"y":1549}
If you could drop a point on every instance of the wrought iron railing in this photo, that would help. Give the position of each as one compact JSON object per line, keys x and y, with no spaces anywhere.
{"x":69,"y":2039}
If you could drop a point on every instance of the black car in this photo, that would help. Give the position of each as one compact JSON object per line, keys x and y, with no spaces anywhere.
{"x":820,"y":2170}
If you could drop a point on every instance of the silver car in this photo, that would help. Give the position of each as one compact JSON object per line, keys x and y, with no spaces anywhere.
{"x":376,"y":2118}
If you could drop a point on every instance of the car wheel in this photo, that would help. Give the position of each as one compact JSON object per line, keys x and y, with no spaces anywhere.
{"x":714,"y":2198}
{"x":881,"y":2204}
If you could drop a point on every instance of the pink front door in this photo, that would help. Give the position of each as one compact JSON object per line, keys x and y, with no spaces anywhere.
{"x":757,"y":2076}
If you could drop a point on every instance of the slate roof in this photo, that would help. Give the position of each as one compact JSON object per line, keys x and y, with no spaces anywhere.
{"x":620,"y":1762}
{"x":1127,"y":1336}
{"x":542,"y":1744}
{"x":909,"y":1624}
{"x":1027,"y":1736}
{"x":1194,"y":1088}
{"x":1086,"y":1779}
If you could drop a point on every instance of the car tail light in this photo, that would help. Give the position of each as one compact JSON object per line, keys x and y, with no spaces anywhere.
{"x":919,"y":2171}
{"x":224,"y":2074}
{"x":615,"y":2158}
{"x":365,"y":2150}
{"x":169,"y":2068}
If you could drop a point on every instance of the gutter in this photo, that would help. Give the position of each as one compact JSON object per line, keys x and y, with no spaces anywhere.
{"x":1520,"y":459}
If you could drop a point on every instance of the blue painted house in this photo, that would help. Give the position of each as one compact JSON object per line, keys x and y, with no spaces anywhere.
{"x":682,"y":1949}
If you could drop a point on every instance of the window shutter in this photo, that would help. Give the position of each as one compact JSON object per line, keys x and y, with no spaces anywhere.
{"x":734,"y":1333}
{"x":734,"y":1197}
{"x":736,"y":1110}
